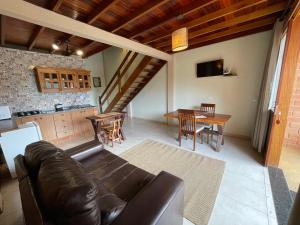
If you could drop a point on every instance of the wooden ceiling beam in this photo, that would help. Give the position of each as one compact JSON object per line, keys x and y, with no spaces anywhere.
{"x":236,"y":20}
{"x":39,"y":29}
{"x":96,"y":50}
{"x":234,"y":30}
{"x":99,"y":11}
{"x":37,"y":15}
{"x":2,"y":29}
{"x":208,"y":17}
{"x":136,"y":15}
{"x":152,"y":5}
{"x":194,"y":6}
{"x":229,"y":37}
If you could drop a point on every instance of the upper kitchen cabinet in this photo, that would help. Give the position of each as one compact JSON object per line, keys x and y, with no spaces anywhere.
{"x":53,"y":80}
{"x":84,"y":80}
{"x":68,"y":80}
{"x":48,"y":80}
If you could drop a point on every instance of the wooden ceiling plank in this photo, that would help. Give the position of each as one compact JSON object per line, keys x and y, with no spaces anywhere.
{"x":184,"y":11}
{"x":95,"y":51}
{"x":237,"y":20}
{"x":36,"y":33}
{"x":235,"y":30}
{"x":208,"y":17}
{"x":152,"y":5}
{"x":2,"y":29}
{"x":99,"y":11}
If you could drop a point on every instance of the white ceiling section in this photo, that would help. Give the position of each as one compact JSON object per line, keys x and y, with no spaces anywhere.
{"x":33,"y":14}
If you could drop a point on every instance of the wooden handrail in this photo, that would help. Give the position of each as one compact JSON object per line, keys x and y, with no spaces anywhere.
{"x":116,"y":73}
{"x":129,"y":81}
{"x":120,"y":77}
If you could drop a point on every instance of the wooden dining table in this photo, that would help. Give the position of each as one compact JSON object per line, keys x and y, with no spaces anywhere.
{"x":210,"y":118}
{"x":99,"y":119}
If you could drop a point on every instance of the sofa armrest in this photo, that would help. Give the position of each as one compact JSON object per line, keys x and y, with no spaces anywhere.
{"x":160,"y":202}
{"x":85,"y":150}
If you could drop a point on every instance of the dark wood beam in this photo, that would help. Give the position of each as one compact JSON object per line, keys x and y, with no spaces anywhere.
{"x":96,"y":50}
{"x":228,"y":23}
{"x":2,"y":29}
{"x":208,"y":17}
{"x":99,"y":11}
{"x":152,"y":5}
{"x":234,"y":30}
{"x":36,"y":33}
{"x":190,"y":8}
{"x":226,"y":38}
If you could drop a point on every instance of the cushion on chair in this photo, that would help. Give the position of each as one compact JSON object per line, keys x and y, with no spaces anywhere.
{"x":67,"y":192}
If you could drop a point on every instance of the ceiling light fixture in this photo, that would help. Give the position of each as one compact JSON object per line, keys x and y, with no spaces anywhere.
{"x":79,"y":52}
{"x":55,"y":46}
{"x":180,"y":39}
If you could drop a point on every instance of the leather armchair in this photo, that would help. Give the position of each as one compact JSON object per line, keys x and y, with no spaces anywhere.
{"x":107,"y":189}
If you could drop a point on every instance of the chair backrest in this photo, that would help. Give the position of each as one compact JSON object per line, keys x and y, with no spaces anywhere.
{"x":187,"y":120}
{"x":208,"y":107}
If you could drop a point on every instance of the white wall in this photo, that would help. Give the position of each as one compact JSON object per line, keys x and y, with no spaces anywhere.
{"x":95,"y":64}
{"x":237,"y":96}
{"x":151,"y":102}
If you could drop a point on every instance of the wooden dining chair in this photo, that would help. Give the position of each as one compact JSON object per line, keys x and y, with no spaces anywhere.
{"x":188,"y":125}
{"x":113,"y":133}
{"x":208,"y":108}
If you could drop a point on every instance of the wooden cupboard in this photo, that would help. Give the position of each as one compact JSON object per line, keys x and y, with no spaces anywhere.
{"x":67,"y":124}
{"x":54,"y":80}
{"x":46,"y":124}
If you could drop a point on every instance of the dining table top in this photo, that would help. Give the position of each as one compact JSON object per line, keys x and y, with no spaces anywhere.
{"x":103,"y":116}
{"x":211,"y":118}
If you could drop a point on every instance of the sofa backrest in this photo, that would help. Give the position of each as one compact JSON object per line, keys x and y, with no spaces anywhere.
{"x":56,"y":187}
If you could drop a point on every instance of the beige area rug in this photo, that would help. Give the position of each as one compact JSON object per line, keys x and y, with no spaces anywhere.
{"x":202,"y":175}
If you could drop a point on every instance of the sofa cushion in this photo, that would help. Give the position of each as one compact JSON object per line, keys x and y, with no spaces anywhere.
{"x":37,"y":152}
{"x":67,"y":193}
{"x":109,"y":204}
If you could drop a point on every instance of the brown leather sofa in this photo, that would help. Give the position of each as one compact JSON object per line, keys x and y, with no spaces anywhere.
{"x":89,"y":185}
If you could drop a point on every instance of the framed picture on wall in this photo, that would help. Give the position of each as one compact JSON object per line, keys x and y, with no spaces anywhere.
{"x":97,"y":81}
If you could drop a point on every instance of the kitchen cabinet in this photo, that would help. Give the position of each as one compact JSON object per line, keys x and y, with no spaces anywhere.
{"x":48,"y":80}
{"x":54,"y":80}
{"x":60,"y":125}
{"x":45,"y":123}
{"x":63,"y":125}
{"x":84,"y":80}
{"x":68,"y":80}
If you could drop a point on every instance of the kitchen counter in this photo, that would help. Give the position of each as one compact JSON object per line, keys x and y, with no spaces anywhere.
{"x":67,"y":109}
{"x":7,"y":125}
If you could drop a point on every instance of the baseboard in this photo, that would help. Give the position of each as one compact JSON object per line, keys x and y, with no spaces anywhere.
{"x":237,"y":136}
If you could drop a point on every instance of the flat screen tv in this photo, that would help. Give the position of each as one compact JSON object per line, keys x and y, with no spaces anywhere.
{"x":211,"y":68}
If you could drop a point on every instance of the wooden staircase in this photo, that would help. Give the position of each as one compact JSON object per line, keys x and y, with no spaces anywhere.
{"x":122,"y":89}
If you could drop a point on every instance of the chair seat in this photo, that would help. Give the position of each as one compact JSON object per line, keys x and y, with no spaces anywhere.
{"x":205,"y":125}
{"x":199,"y":127}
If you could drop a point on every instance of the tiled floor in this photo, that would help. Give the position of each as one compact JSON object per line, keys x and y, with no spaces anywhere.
{"x":290,"y":164}
{"x":244,"y":198}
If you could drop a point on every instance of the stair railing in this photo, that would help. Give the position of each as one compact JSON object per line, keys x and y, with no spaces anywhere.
{"x":116,"y":79}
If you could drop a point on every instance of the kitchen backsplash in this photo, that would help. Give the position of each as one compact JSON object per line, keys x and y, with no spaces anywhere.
{"x":18,"y":87}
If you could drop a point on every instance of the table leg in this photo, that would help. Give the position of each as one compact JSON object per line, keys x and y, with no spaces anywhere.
{"x":220,"y":140}
{"x":95,"y":127}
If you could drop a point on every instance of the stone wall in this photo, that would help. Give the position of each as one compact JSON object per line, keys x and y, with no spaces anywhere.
{"x":18,"y":87}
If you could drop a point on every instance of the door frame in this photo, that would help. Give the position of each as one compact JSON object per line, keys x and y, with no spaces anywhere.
{"x":284,"y":94}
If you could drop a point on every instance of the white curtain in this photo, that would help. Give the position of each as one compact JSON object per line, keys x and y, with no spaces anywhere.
{"x":262,"y":117}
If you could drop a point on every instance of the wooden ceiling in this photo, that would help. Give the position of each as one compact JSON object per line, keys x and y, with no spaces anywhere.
{"x":147,"y":21}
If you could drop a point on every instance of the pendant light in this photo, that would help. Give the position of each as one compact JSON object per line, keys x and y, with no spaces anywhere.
{"x":179,"y":39}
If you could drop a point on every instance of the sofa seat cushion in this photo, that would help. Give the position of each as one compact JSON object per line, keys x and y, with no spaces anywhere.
{"x":102,"y":164}
{"x":109,"y":204}
{"x":67,"y":193}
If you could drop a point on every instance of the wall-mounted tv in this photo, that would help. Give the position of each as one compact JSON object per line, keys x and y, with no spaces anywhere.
{"x":211,"y":68}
